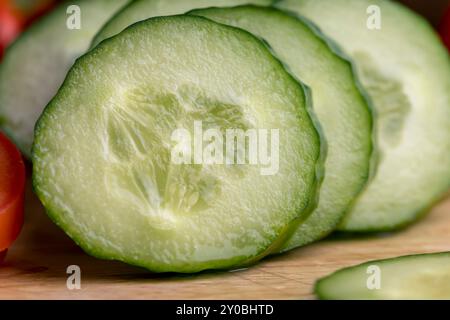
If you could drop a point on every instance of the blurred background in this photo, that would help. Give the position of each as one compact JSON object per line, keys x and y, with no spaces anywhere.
{"x":17,"y":15}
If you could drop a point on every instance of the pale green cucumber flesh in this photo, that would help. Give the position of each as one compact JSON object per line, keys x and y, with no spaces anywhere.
{"x":34,"y":67}
{"x":101,"y":157}
{"x":406,"y":71}
{"x":139,"y":10}
{"x":338,"y":104}
{"x":423,"y":276}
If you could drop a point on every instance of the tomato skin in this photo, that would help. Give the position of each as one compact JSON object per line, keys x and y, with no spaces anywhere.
{"x":16,"y":16}
{"x":11,"y":221}
{"x":11,"y":24}
{"x":12,"y":187}
{"x":445,"y":28}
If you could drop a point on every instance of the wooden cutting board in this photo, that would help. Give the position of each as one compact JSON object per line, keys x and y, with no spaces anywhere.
{"x":36,"y":265}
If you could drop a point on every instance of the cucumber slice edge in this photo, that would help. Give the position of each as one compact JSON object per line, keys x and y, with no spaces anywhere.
{"x":94,"y":251}
{"x":320,"y":292}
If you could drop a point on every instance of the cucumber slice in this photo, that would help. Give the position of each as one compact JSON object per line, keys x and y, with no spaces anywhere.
{"x":423,"y":276}
{"x":102,"y":152}
{"x":34,"y":67}
{"x":139,"y":10}
{"x":340,"y":107}
{"x":406,"y":71}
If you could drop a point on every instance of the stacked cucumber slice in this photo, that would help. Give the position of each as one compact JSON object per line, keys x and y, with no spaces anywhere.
{"x":340,"y":107}
{"x":353,"y":123}
{"x":139,"y":10}
{"x":406,"y":71}
{"x":117,"y":147}
{"x":34,"y":67}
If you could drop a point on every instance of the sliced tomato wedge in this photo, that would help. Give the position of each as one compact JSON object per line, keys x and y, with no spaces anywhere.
{"x":12,"y":186}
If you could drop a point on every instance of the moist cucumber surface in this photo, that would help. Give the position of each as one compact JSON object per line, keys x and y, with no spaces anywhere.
{"x":340,"y":107}
{"x":406,"y":71}
{"x":139,"y":10}
{"x":424,"y":276}
{"x":102,"y":153}
{"x":34,"y":66}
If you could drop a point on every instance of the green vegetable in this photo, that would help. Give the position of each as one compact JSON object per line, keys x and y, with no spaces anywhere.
{"x":139,"y":10}
{"x":340,"y":107}
{"x":103,"y":153}
{"x":406,"y":70}
{"x":423,"y":276}
{"x":35,"y":65}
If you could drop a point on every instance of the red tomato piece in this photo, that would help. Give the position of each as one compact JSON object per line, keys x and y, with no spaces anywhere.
{"x":12,"y":186}
{"x":11,"y":24}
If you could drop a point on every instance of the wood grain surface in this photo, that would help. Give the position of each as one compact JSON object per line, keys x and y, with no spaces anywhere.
{"x":36,"y":265}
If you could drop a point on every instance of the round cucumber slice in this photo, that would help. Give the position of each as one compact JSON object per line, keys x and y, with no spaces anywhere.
{"x":34,"y":67}
{"x":139,"y":10}
{"x":406,"y":71}
{"x":102,"y":157}
{"x":417,"y":277}
{"x":339,"y":105}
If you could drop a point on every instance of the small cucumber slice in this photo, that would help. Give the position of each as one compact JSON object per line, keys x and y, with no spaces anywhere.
{"x":418,"y":277}
{"x":339,"y":105}
{"x":102,"y":156}
{"x":139,"y":10}
{"x":406,"y":70}
{"x":34,"y":66}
